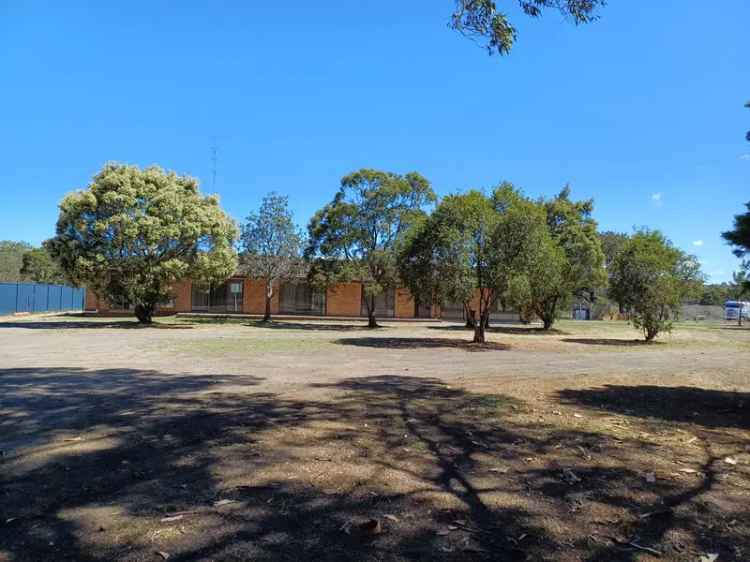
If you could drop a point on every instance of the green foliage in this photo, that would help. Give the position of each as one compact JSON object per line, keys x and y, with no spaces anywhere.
{"x":653,"y":278}
{"x":271,"y":244}
{"x":133,"y":233}
{"x":541,"y":289}
{"x":39,"y":267}
{"x":612,"y":244}
{"x":739,"y":236}
{"x":356,"y":236}
{"x":739,"y":288}
{"x":11,"y":260}
{"x":481,"y":20}
{"x":570,"y":263}
{"x":473,"y":244}
{"x":716,"y":294}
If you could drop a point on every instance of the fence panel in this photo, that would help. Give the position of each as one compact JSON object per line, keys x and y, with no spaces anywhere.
{"x":8,"y":298}
{"x":55,"y":298}
{"x":35,"y":297}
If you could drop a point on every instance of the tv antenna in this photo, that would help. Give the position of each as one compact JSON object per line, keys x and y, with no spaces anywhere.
{"x":214,"y":161}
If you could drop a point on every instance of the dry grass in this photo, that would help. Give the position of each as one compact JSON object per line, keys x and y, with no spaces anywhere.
{"x":239,"y":441}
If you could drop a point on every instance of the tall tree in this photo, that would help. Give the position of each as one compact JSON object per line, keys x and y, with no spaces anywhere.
{"x":11,"y":259}
{"x":575,"y":267}
{"x":653,"y":279}
{"x":132,"y":234}
{"x":355,"y":236}
{"x":271,"y":245}
{"x":739,"y":236}
{"x":612,"y":244}
{"x":38,"y":266}
{"x":473,"y":245}
{"x":481,"y":20}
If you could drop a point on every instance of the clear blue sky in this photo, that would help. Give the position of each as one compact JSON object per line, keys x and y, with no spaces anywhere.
{"x":642,"y":111}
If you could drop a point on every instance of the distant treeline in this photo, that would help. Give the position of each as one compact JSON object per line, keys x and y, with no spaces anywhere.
{"x":20,"y":261}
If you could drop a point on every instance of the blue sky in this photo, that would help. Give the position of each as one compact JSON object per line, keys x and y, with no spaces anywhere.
{"x":643,"y":111}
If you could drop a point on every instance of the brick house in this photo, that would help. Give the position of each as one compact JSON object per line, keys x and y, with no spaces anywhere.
{"x":244,"y":295}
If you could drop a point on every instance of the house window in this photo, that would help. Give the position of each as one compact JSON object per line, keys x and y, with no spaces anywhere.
{"x":385,"y":303}
{"x":226,"y":297}
{"x":301,"y":298}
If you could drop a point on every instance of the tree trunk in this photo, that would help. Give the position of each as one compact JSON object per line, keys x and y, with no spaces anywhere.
{"x":371,"y":320}
{"x":144,"y":313}
{"x":269,"y":296}
{"x":470,"y":315}
{"x":548,"y":322}
{"x":479,"y":329}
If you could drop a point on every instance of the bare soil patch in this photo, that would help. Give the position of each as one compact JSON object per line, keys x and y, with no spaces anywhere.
{"x":326,"y":441}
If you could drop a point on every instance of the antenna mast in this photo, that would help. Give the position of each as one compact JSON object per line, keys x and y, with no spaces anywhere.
{"x":214,"y":161}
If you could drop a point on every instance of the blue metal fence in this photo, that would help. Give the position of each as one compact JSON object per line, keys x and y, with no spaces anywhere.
{"x":34,"y":297}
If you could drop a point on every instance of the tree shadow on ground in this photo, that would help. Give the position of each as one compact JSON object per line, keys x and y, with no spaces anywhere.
{"x":422,"y":343}
{"x":509,"y":330}
{"x":698,"y":499}
{"x":125,"y":324}
{"x":612,"y":342}
{"x":311,"y":326}
{"x":705,"y":407}
{"x":159,"y":448}
{"x":201,"y":469}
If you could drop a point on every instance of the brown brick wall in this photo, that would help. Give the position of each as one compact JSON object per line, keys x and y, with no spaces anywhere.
{"x":404,"y":304}
{"x":183,"y":297}
{"x":254,"y":301}
{"x":344,"y":299}
{"x":92,"y":300}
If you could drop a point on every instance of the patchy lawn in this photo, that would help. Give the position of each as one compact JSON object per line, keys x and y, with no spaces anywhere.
{"x":311,"y":440}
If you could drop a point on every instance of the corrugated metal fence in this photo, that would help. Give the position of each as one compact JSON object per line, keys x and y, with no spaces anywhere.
{"x":34,"y":297}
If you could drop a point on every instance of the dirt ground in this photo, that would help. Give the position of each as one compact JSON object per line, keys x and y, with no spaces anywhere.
{"x":303,"y":440}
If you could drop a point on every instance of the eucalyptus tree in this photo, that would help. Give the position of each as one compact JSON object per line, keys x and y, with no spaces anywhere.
{"x":355,"y":237}
{"x":271,"y":245}
{"x":576,"y":267}
{"x":653,"y":278}
{"x":739,"y":236}
{"x":472,"y":247}
{"x":481,"y":20}
{"x":132,"y":234}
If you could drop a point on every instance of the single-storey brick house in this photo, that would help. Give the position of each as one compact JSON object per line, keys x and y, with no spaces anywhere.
{"x":244,"y":295}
